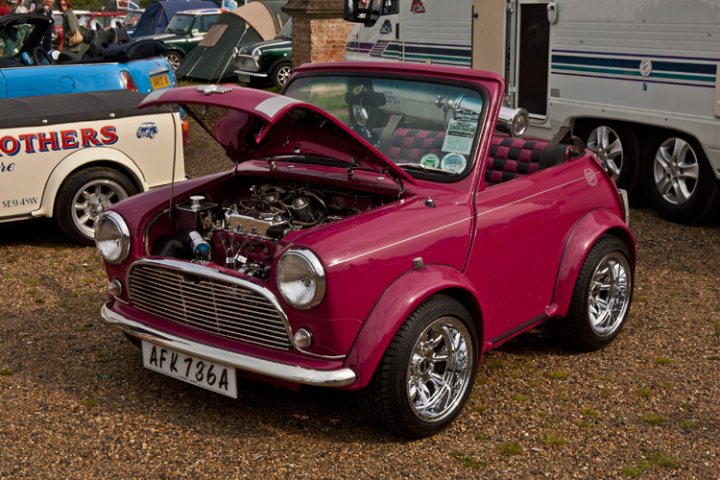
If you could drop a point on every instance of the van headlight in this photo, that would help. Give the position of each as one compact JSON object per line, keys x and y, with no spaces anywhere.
{"x":112,"y":237}
{"x":300,"y":279}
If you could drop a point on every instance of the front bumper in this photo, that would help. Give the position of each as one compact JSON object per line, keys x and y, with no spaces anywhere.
{"x":291,"y":373}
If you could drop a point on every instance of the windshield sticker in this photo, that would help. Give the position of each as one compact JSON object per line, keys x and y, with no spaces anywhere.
{"x":430,"y":160}
{"x":272,"y":106}
{"x":453,"y":163}
{"x":459,"y":136}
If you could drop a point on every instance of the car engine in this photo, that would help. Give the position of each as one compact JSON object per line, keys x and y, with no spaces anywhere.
{"x":244,"y":234}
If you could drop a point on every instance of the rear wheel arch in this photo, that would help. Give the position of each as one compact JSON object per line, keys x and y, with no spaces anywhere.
{"x":587,"y":231}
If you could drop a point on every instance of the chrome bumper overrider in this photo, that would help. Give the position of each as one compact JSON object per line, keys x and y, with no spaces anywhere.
{"x":291,"y":373}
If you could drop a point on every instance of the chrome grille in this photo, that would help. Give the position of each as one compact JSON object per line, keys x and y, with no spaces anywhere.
{"x":206,"y":300}
{"x":247,"y":63}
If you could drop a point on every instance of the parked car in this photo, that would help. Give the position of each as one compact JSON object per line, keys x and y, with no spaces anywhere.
{"x":380,"y":232}
{"x":26,"y":69}
{"x":269,"y":60}
{"x":101,"y":20}
{"x":132,"y":17}
{"x":185,"y":31}
{"x":69,"y":157}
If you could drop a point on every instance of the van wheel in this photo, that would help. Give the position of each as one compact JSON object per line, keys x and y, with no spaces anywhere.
{"x":427,"y":372}
{"x":678,"y":179}
{"x":281,"y":73}
{"x":84,"y":196}
{"x":618,"y":148}
{"x":601,"y":298}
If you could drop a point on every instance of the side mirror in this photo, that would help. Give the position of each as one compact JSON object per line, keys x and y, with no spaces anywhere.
{"x":363,"y":11}
{"x":194,"y":32}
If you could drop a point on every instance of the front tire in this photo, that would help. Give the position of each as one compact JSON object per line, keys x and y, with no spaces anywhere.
{"x":601,"y":297}
{"x":84,"y":196}
{"x":281,"y":73}
{"x":427,"y":372}
{"x":678,"y":179}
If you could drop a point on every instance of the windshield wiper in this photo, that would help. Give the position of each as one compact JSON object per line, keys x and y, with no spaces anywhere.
{"x":423,"y":168}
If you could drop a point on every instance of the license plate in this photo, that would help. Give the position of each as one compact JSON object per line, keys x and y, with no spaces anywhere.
{"x":243,"y":78}
{"x":197,"y":371}
{"x":161,"y":80}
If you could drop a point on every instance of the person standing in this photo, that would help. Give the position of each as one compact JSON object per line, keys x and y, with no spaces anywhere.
{"x":46,"y":11}
{"x":20,"y":7}
{"x":73,"y":41}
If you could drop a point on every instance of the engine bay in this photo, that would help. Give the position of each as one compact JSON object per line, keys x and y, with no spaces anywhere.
{"x":242,"y":228}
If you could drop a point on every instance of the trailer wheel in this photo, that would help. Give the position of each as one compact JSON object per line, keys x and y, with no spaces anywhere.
{"x":678,"y":179}
{"x":618,"y":148}
{"x":84,"y":196}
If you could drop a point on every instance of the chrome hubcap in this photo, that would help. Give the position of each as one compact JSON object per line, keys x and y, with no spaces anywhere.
{"x":676,"y":171}
{"x":93,"y":199}
{"x":605,"y":142}
{"x":609,"y":295}
{"x":440,"y":369}
{"x":283,"y":74}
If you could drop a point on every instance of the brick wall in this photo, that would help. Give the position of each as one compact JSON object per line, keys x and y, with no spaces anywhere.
{"x":319,"y":39}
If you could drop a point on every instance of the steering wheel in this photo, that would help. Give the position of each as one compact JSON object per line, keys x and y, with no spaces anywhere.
{"x":40,"y":56}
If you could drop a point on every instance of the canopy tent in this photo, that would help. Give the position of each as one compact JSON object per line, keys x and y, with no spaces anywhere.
{"x":213,"y":59}
{"x":157,"y":14}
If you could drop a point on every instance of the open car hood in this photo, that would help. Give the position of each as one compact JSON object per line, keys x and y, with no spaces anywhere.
{"x":261,"y":124}
{"x":22,"y":32}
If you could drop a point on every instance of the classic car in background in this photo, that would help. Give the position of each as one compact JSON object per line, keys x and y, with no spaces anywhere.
{"x":268,"y":60}
{"x":101,"y":20}
{"x":131,"y":19}
{"x":70,"y":157}
{"x":380,"y":232}
{"x":26,"y":69}
{"x":185,"y":31}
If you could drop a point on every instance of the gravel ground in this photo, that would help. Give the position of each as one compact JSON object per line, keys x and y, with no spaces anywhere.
{"x":77,"y":403}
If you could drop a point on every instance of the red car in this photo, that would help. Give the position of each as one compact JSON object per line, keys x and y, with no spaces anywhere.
{"x":383,"y":228}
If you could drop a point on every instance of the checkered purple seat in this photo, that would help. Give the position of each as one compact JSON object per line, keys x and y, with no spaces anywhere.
{"x":408,"y":145}
{"x":513,"y":157}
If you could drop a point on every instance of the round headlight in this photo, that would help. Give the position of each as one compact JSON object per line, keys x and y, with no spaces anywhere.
{"x":301,"y":279}
{"x":112,"y":237}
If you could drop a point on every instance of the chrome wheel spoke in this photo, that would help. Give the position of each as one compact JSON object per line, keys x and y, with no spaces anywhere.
{"x":607,"y":300}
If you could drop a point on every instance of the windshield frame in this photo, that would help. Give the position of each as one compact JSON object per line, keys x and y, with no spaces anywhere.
{"x":435,"y":175}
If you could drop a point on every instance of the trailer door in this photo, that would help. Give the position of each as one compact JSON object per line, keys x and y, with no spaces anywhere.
{"x":530,"y":56}
{"x":489,"y":35}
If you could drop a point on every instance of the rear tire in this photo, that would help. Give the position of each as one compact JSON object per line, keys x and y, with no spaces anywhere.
{"x":601,"y":297}
{"x":174,"y":59}
{"x":84,"y":196}
{"x":618,"y":148}
{"x":678,"y":180}
{"x":427,"y":372}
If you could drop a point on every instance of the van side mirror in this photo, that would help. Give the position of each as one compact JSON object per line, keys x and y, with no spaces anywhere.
{"x":363,"y":11}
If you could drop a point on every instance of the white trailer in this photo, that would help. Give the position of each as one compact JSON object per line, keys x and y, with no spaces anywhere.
{"x":638,"y":80}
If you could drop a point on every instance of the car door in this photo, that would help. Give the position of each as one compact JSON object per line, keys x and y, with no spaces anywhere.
{"x":521,"y":229}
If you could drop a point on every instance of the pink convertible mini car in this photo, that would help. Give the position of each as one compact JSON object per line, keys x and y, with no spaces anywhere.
{"x":383,"y":228}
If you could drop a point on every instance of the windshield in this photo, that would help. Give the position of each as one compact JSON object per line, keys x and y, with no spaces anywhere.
{"x":419,"y":125}
{"x":181,"y":23}
{"x":12,"y":39}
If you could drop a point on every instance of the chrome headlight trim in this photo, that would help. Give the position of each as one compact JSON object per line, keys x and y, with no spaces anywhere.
{"x":113,"y":245}
{"x":311,"y":276}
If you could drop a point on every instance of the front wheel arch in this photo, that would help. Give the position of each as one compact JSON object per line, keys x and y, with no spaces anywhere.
{"x":388,"y":314}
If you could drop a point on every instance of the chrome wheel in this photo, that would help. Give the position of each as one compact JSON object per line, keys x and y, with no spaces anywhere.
{"x":282,"y":74}
{"x":609,"y":294}
{"x":676,"y":171}
{"x":174,"y":59}
{"x":606,"y":144}
{"x":440,"y":369}
{"x":92,"y":199}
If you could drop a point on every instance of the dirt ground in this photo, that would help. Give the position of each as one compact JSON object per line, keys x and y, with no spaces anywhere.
{"x":77,"y":403}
